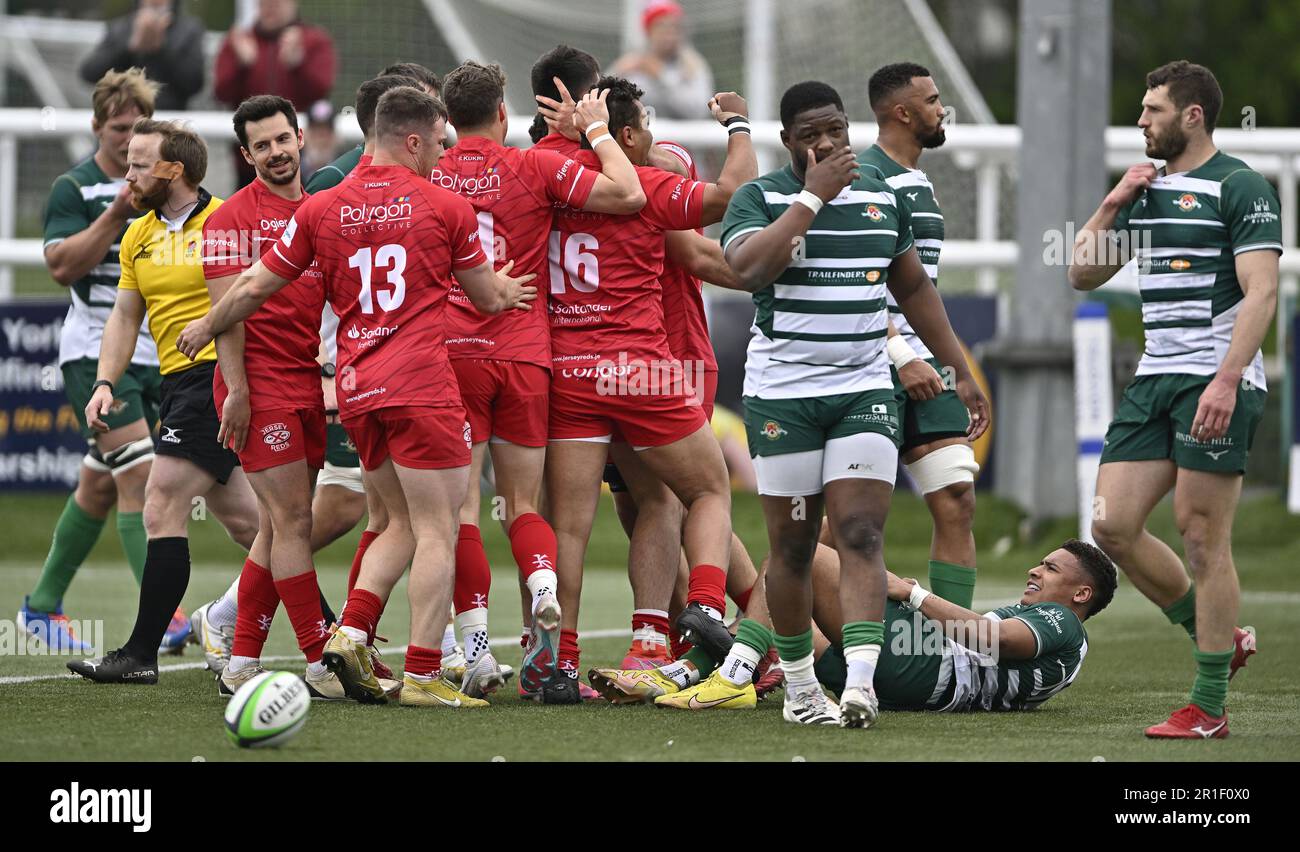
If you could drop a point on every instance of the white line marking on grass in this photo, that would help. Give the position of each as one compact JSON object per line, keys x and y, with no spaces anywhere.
{"x":608,"y":633}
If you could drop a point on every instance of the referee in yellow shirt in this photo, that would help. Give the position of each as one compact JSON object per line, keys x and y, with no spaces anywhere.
{"x":162,"y":274}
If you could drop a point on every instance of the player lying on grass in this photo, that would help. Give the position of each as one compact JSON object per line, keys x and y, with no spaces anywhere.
{"x":937,"y":655}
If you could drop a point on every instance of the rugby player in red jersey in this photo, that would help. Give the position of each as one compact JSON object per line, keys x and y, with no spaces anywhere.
{"x":503,"y":362}
{"x":651,"y":514}
{"x":614,"y":377}
{"x":267,"y":386}
{"x":388,"y":242}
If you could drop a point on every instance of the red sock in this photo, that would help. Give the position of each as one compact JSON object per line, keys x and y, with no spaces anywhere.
{"x":362,"y":612}
{"x":301,"y":596}
{"x":650,"y":618}
{"x":708,"y":587}
{"x":532,"y":541}
{"x":423,"y":662}
{"x":677,"y":645}
{"x":473,"y":574}
{"x":366,"y":538}
{"x":569,"y":653}
{"x":258,"y":600}
{"x":742,"y":599}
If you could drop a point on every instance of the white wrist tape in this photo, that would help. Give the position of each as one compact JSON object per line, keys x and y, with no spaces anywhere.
{"x":604,"y":137}
{"x":595,"y":125}
{"x":900,"y":353}
{"x":812,"y":202}
{"x":917,"y":597}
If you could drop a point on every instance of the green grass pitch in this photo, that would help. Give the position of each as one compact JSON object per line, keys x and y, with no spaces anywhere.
{"x":1138,"y":668}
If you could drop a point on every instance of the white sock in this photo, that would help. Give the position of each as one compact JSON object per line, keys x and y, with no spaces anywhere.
{"x":541,"y":581}
{"x":862,"y":665}
{"x":799,"y":675}
{"x":316,"y":669}
{"x":419,"y":678}
{"x":238,"y":664}
{"x":681,"y":673}
{"x":648,"y":639}
{"x":225,"y":609}
{"x":738,"y":668}
{"x":472,"y":624}
{"x":356,"y":634}
{"x":448,"y":640}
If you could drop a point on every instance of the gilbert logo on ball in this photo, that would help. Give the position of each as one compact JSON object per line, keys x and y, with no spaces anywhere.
{"x":268,"y":710}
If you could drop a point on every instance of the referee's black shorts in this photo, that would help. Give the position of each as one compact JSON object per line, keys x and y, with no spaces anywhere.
{"x":188,"y":422}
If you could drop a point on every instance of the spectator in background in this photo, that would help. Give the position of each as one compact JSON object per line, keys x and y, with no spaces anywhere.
{"x":321,"y":142}
{"x":676,"y":79}
{"x":281,"y":56}
{"x":160,"y":38}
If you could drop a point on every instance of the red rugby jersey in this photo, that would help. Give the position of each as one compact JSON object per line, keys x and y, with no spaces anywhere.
{"x":513,"y":194}
{"x":604,"y":272}
{"x":282,"y":338}
{"x":387,"y":241}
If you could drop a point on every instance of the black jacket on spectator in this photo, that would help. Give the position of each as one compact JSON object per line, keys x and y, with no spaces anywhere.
{"x":178,"y":66}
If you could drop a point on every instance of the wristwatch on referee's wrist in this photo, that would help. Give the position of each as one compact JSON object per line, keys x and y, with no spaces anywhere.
{"x":101,"y":383}
{"x":327,"y":370}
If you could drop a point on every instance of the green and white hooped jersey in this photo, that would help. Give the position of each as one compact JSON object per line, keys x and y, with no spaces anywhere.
{"x":78,"y":197}
{"x":820,"y":328}
{"x":966,"y":680}
{"x":914,"y":191}
{"x":1187,"y":230}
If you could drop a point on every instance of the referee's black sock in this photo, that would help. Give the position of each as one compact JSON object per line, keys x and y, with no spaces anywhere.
{"x":166,"y":576}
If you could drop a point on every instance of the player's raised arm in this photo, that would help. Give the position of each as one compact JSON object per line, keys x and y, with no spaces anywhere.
{"x":759,"y":256}
{"x":253,"y":287}
{"x":919,"y":301}
{"x":495,"y":291}
{"x":741,"y":165}
{"x":1088,"y":271}
{"x":617,"y":189}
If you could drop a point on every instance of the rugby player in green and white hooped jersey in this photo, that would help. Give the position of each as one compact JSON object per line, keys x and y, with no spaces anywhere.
{"x":1208,"y":236}
{"x":88,"y":211}
{"x":934,"y":448}
{"x":818,"y":243}
{"x":940,"y":655}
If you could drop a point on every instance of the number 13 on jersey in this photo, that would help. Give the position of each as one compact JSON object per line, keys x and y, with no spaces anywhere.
{"x":392,"y":257}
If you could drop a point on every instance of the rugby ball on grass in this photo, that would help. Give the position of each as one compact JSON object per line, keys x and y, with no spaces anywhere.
{"x":268,"y":710}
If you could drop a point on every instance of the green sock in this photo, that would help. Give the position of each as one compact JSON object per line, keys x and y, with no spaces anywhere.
{"x":1183,"y":612}
{"x":754,"y":635}
{"x":130,"y":528}
{"x":793,"y":648}
{"x":1210,"y":689}
{"x":859,"y":633}
{"x":954,"y":583}
{"x":702,"y":661}
{"x":74,"y":536}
